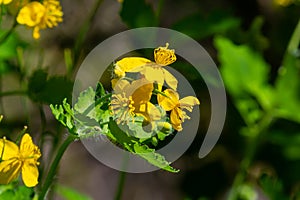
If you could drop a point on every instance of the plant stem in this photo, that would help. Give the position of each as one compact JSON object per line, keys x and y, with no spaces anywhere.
{"x":121,"y":182}
{"x":295,"y":40}
{"x":251,"y":148}
{"x":159,"y":10}
{"x":120,"y":186}
{"x":7,"y":34}
{"x":54,"y":165}
{"x":83,"y":32}
{"x":13,"y":93}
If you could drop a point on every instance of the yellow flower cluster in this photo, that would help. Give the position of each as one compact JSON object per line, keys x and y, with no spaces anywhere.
{"x":39,"y":16}
{"x":133,"y":97}
{"x":15,"y":160}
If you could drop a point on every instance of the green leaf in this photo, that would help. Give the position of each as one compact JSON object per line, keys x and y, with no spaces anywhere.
{"x":254,"y":36}
{"x":245,"y":74}
{"x":247,"y":192}
{"x":84,"y":101}
{"x":64,"y":114}
{"x":137,"y":13}
{"x":199,"y":26}
{"x":17,"y":193}
{"x":100,"y":91}
{"x":37,"y":82}
{"x":89,"y":104}
{"x":136,"y":128}
{"x":152,"y":157}
{"x":243,"y":70}
{"x":49,"y":90}
{"x":288,"y":88}
{"x":273,"y":188}
{"x":118,"y":135}
{"x":134,"y":146}
{"x":289,"y":143}
{"x":70,"y":194}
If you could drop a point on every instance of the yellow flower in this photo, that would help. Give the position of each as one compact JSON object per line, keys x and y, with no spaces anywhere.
{"x":153,"y":72}
{"x":130,"y":99}
{"x":171,"y":102}
{"x":5,"y":2}
{"x":15,"y":160}
{"x":40,"y":16}
{"x":122,"y":107}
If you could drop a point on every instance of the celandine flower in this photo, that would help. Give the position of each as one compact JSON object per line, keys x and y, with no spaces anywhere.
{"x":122,"y":107}
{"x":40,"y":16}
{"x":171,"y":102}
{"x":15,"y":160}
{"x":130,"y":99}
{"x":153,"y":72}
{"x":5,"y":2}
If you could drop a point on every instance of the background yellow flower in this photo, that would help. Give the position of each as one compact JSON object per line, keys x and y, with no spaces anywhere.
{"x":15,"y":160}
{"x":40,"y":16}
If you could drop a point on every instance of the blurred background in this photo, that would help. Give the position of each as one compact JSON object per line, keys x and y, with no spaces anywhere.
{"x":264,"y":27}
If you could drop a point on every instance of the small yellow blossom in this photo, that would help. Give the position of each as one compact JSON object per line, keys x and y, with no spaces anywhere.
{"x":130,"y":99}
{"x":171,"y":102}
{"x":40,"y":16}
{"x":5,"y":2}
{"x":153,"y":72}
{"x":15,"y":160}
{"x":164,"y":56}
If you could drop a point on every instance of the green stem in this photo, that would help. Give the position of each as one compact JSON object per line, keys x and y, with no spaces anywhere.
{"x":295,"y":40}
{"x":84,"y":30}
{"x":13,"y":93}
{"x":7,"y":34}
{"x":120,"y":186}
{"x":159,"y":10}
{"x":258,"y":131}
{"x":121,"y":182}
{"x":54,"y":165}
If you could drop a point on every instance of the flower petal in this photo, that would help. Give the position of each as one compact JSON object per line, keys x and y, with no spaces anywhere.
{"x":28,"y":148}
{"x":8,"y":149}
{"x":176,"y":119}
{"x":9,"y":170}
{"x":129,"y":64}
{"x":30,"y":174}
{"x":120,"y":85}
{"x":188,"y":102}
{"x":170,"y":79}
{"x":31,"y":14}
{"x":149,"y":111}
{"x":154,"y":74}
{"x":141,"y":91}
{"x":170,"y":101}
